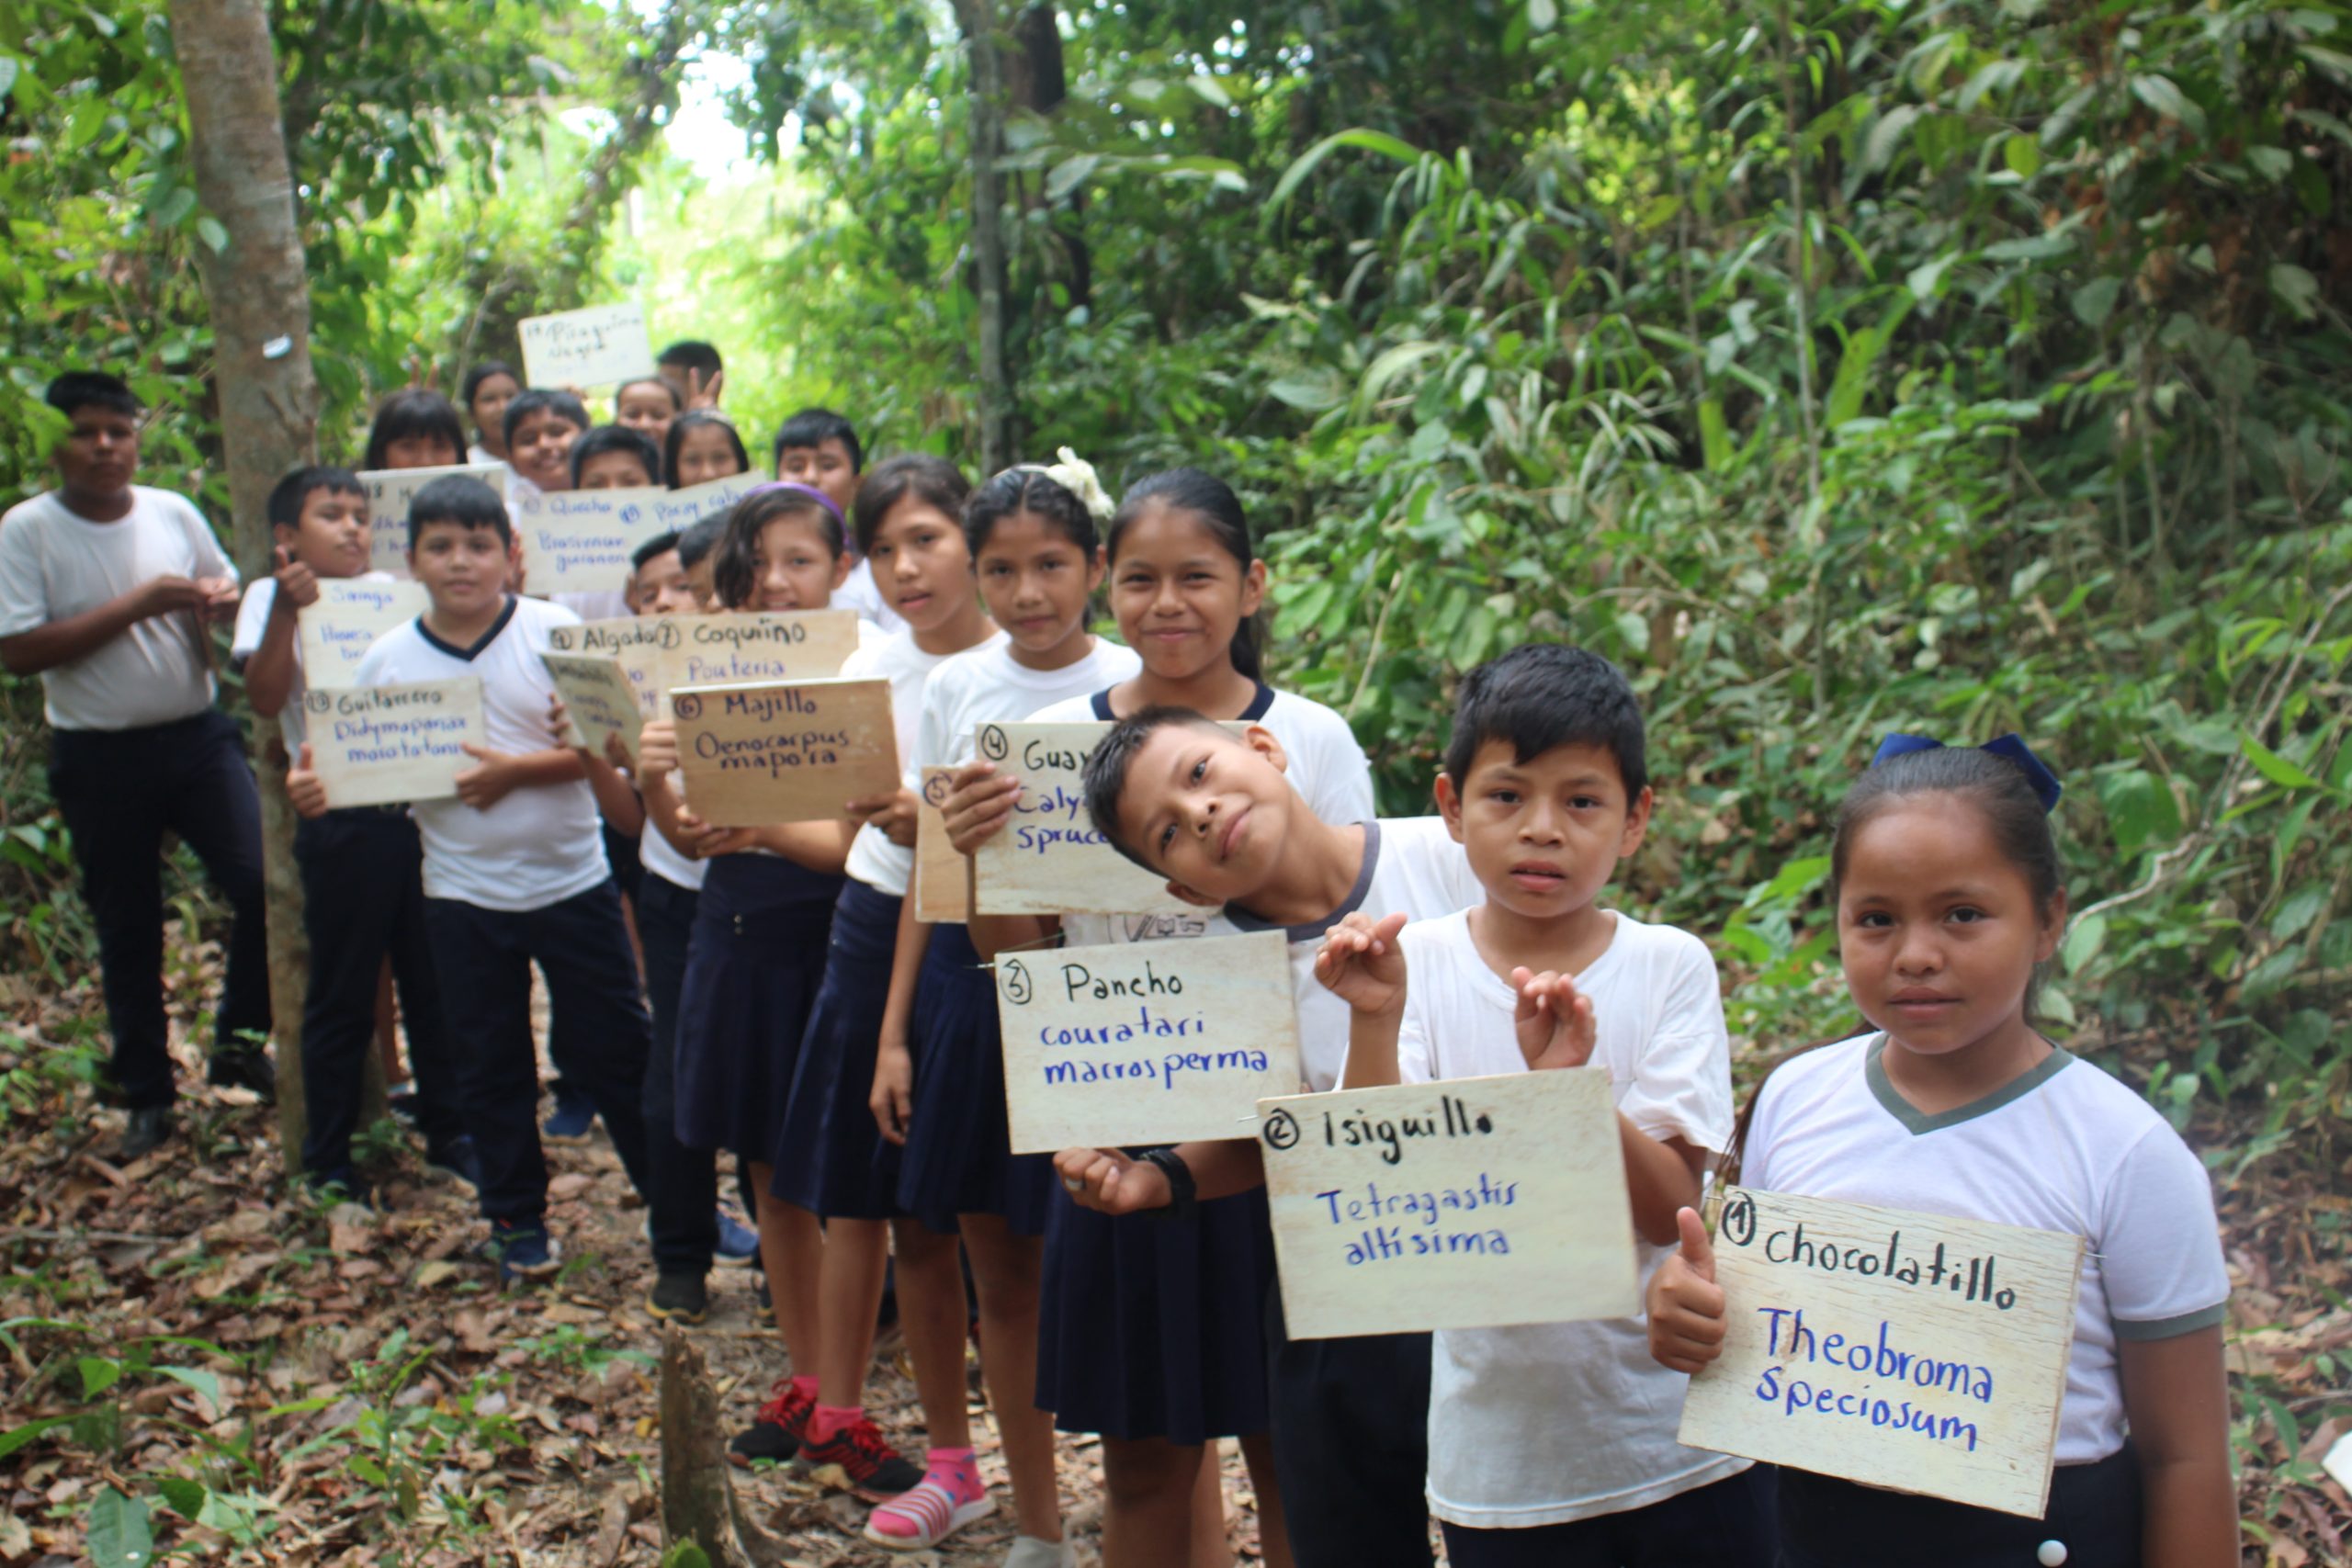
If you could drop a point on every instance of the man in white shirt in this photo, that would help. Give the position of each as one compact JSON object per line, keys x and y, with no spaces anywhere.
{"x":107,"y":590}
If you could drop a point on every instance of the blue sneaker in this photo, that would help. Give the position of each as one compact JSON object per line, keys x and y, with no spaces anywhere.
{"x":739,"y":1244}
{"x":455,"y":1157}
{"x":523,"y":1250}
{"x":574,"y":1116}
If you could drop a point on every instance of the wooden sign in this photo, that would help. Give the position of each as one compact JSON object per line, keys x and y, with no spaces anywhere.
{"x":784,"y":751}
{"x":659,"y":653}
{"x":389,"y":492}
{"x":379,"y":745}
{"x":598,"y":699}
{"x":578,"y":541}
{"x":1146,"y":1043}
{"x":679,"y":509}
{"x":334,"y":634}
{"x":943,"y":877}
{"x":600,"y":347}
{"x":1913,"y":1351}
{"x":1048,"y":860}
{"x":1470,"y":1204}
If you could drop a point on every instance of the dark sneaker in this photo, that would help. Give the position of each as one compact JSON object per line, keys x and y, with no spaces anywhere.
{"x":521,"y":1251}
{"x":148,"y":1127}
{"x":455,"y":1157}
{"x":739,"y":1244}
{"x":573,"y":1117}
{"x":876,"y":1470}
{"x":679,"y":1298}
{"x":244,"y":1069}
{"x":777,"y":1432}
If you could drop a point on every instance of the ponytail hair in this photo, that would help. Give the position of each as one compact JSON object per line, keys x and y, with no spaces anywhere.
{"x":734,"y":572}
{"x":1219,"y":510}
{"x":1037,"y":493}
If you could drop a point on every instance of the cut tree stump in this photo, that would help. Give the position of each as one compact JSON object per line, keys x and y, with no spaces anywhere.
{"x":698,"y":1486}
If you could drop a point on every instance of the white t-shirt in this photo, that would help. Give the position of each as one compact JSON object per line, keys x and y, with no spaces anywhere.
{"x":655,"y":853}
{"x":480,"y":457}
{"x":541,"y":844}
{"x":252,"y":626}
{"x":858,"y":593}
{"x":2063,"y":1148}
{"x":55,"y":564}
{"x":986,"y":685}
{"x":873,"y":858}
{"x":1546,"y":1423}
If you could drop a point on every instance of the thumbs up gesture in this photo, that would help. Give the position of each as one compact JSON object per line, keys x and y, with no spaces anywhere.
{"x":297,"y":585}
{"x":1686,"y":1307}
{"x":305,"y":791}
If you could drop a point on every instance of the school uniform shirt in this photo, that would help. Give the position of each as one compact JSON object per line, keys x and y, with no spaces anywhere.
{"x":858,"y":592}
{"x":252,"y":626}
{"x":542,"y":843}
{"x":480,"y":457}
{"x":1545,"y":1423}
{"x":661,"y":859}
{"x":986,"y":685}
{"x":873,"y":858}
{"x":595,"y":603}
{"x":2065,"y":1148}
{"x":55,"y":564}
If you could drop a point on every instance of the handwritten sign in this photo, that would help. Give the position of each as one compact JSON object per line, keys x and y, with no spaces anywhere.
{"x":943,"y":877}
{"x":598,"y":699}
{"x":389,"y":492}
{"x":600,"y":347}
{"x":679,"y":509}
{"x":1913,"y":1351}
{"x":1146,"y":1043}
{"x":784,"y":751}
{"x":376,"y":745}
{"x":1049,"y":860}
{"x":1472,"y":1203}
{"x":578,"y":541}
{"x":659,"y":653}
{"x":351,"y":612}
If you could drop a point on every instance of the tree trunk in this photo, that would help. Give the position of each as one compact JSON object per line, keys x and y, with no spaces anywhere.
{"x":260,"y":302}
{"x":997,"y":418}
{"x":698,"y":1491}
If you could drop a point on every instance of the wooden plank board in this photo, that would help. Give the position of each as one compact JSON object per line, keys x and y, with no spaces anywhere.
{"x":658,"y":652}
{"x":379,"y":745}
{"x":1146,"y":1043}
{"x":578,"y":541}
{"x":600,"y":347}
{"x":1049,"y":860}
{"x":598,"y":699}
{"x":334,"y":634}
{"x":389,"y":492}
{"x":943,"y":877}
{"x":1473,"y":1203}
{"x":1913,"y":1351}
{"x":784,"y":750}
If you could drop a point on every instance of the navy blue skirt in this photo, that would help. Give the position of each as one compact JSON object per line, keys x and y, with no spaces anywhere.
{"x":1154,"y":1327}
{"x":754,"y":965}
{"x":959,"y":1157}
{"x":830,"y":1157}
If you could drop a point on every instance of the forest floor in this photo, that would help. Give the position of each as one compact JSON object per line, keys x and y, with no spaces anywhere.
{"x":342,"y":1385}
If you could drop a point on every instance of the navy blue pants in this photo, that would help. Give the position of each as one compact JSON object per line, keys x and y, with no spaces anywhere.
{"x":1726,"y":1525}
{"x":1351,"y":1444}
{"x":120,"y":791}
{"x":683,"y":1203}
{"x":2094,"y":1513}
{"x":363,"y":899}
{"x":484,"y":959}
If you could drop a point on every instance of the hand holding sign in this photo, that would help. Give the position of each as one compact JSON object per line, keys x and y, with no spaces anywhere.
{"x":978,"y":805}
{"x":1686,"y":1305}
{"x":1554,"y":1020}
{"x":1110,"y":1183}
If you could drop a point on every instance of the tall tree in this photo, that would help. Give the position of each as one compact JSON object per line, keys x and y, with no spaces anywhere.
{"x":260,"y":299}
{"x":997,"y":439}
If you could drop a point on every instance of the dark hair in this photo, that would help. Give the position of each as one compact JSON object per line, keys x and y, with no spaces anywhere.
{"x":814,"y":427}
{"x":927,"y":479}
{"x":75,"y":389}
{"x":699,"y":419}
{"x":660,"y":545}
{"x":539,"y":400}
{"x":1542,"y":694}
{"x":1016,"y":491}
{"x":409,"y":415}
{"x":460,"y":499}
{"x":699,"y":539}
{"x":732,"y":575}
{"x":1213,"y":500}
{"x":677,"y":398}
{"x":483,"y":372}
{"x":1115,"y":754}
{"x":617,"y":438}
{"x":287,"y":496}
{"x":691,"y":354}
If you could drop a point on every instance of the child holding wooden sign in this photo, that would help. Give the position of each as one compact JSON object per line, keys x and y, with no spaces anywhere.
{"x":362,"y":893}
{"x":1949,"y":896}
{"x":819,"y":448}
{"x":1555,"y":1442}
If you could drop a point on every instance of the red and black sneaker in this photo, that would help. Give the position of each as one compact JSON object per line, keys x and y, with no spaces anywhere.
{"x":780,"y":1429}
{"x":876,"y":1470}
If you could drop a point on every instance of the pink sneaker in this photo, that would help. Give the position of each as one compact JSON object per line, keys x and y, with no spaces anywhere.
{"x":948,"y":1497}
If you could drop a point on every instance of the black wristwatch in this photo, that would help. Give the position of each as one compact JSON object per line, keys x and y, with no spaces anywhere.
{"x":1182,"y":1190}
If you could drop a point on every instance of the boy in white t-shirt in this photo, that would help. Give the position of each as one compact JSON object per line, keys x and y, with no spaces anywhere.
{"x":515,"y":873}
{"x":1555,"y":1442}
{"x":107,"y":593}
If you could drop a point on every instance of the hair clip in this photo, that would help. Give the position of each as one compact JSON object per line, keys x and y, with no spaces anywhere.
{"x":2010,"y":749}
{"x":797,"y":488}
{"x":1075,"y":475}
